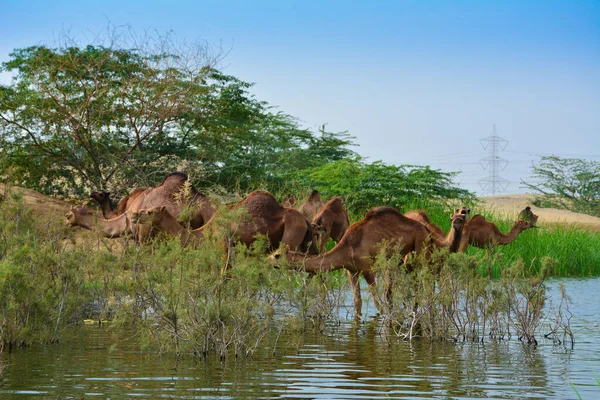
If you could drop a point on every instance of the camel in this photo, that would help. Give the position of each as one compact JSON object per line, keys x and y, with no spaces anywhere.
{"x":167,"y":194}
{"x":103,"y":199}
{"x":110,"y":228}
{"x":266,"y":217}
{"x":126,"y":201}
{"x":330,"y":222}
{"x":464,"y":211}
{"x":360,"y":245}
{"x":422,"y":217}
{"x":312,"y":205}
{"x":479,"y":232}
{"x":527,"y":215}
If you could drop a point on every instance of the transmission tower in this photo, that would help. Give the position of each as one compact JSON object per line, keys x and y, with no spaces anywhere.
{"x":494,"y":183}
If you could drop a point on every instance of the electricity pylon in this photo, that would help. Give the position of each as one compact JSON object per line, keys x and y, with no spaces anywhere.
{"x":494,"y":183}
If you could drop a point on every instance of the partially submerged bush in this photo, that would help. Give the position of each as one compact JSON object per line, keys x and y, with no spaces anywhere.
{"x":459,"y":303}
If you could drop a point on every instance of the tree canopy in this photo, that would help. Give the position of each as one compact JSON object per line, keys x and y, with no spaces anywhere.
{"x":81,"y":118}
{"x":568,"y":183}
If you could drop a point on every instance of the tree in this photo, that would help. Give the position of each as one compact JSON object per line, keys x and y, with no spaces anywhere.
{"x":366,"y":185}
{"x":74,"y":117}
{"x":569,"y":183}
{"x":113,"y":117}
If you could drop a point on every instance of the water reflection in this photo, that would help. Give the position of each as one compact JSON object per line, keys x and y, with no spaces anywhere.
{"x":353,"y":361}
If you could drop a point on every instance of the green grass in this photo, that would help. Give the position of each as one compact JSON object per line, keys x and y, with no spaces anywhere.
{"x":575,"y":250}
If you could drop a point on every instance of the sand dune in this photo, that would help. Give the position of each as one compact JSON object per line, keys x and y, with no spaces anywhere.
{"x":511,"y":204}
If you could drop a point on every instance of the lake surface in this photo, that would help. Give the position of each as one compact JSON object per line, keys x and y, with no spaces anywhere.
{"x":349,"y":361}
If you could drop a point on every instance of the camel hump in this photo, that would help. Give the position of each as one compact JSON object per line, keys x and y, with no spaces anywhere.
{"x":335,"y":203}
{"x":419,"y":215}
{"x":382,"y":212}
{"x":175,"y":176}
{"x":261,"y":200}
{"x":314,"y":196}
{"x":259,"y":194}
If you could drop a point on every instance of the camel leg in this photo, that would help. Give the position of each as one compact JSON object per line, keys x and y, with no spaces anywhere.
{"x":370,"y":278}
{"x":355,"y":283}
{"x":322,"y":243}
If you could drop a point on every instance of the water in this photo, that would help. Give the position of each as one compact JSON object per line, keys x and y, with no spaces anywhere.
{"x":348,"y":362}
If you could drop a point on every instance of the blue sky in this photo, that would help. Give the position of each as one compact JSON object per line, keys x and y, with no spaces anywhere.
{"x":416,"y":82}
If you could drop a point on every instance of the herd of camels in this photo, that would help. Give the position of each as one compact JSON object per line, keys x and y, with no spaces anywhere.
{"x":304,"y":230}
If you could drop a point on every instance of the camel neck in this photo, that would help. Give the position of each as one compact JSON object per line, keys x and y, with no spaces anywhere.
{"x":453,"y":239}
{"x":333,"y":260}
{"x":107,"y":210}
{"x":110,"y":228}
{"x":510,"y":236}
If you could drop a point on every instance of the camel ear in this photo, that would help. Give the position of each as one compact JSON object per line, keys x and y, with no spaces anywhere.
{"x":163,"y":208}
{"x":468,"y":211}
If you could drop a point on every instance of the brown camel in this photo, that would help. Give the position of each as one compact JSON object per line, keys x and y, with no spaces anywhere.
{"x":167,"y":194}
{"x":266,"y":217}
{"x":422,"y":217}
{"x":330,"y":222}
{"x":361,"y":244}
{"x":479,"y":232}
{"x":312,"y":205}
{"x":464,"y":211}
{"x":103,"y":198}
{"x":110,"y":228}
{"x":527,"y":215}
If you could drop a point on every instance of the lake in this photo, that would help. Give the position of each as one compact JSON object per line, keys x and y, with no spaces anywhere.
{"x":346,"y":361}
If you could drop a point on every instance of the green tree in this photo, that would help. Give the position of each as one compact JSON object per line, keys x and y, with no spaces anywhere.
{"x":75,"y":116}
{"x":569,"y":183}
{"x":366,"y":185}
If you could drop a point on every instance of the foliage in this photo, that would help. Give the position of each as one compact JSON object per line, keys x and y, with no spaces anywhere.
{"x":40,"y":282}
{"x":124,"y":114}
{"x":79,"y":114}
{"x":366,"y":185}
{"x":460,"y":304}
{"x":568,"y":183}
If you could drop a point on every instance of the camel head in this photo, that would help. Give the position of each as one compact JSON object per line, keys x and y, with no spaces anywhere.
{"x":522,"y":225}
{"x":318,"y":225}
{"x":458,"y":222}
{"x":100,"y":197}
{"x":75,"y":216}
{"x":148,"y":215}
{"x":464,"y":211}
{"x":527,"y":215}
{"x":295,"y":258}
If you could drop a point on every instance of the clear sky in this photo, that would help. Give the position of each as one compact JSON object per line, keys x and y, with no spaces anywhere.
{"x":416,"y":82}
